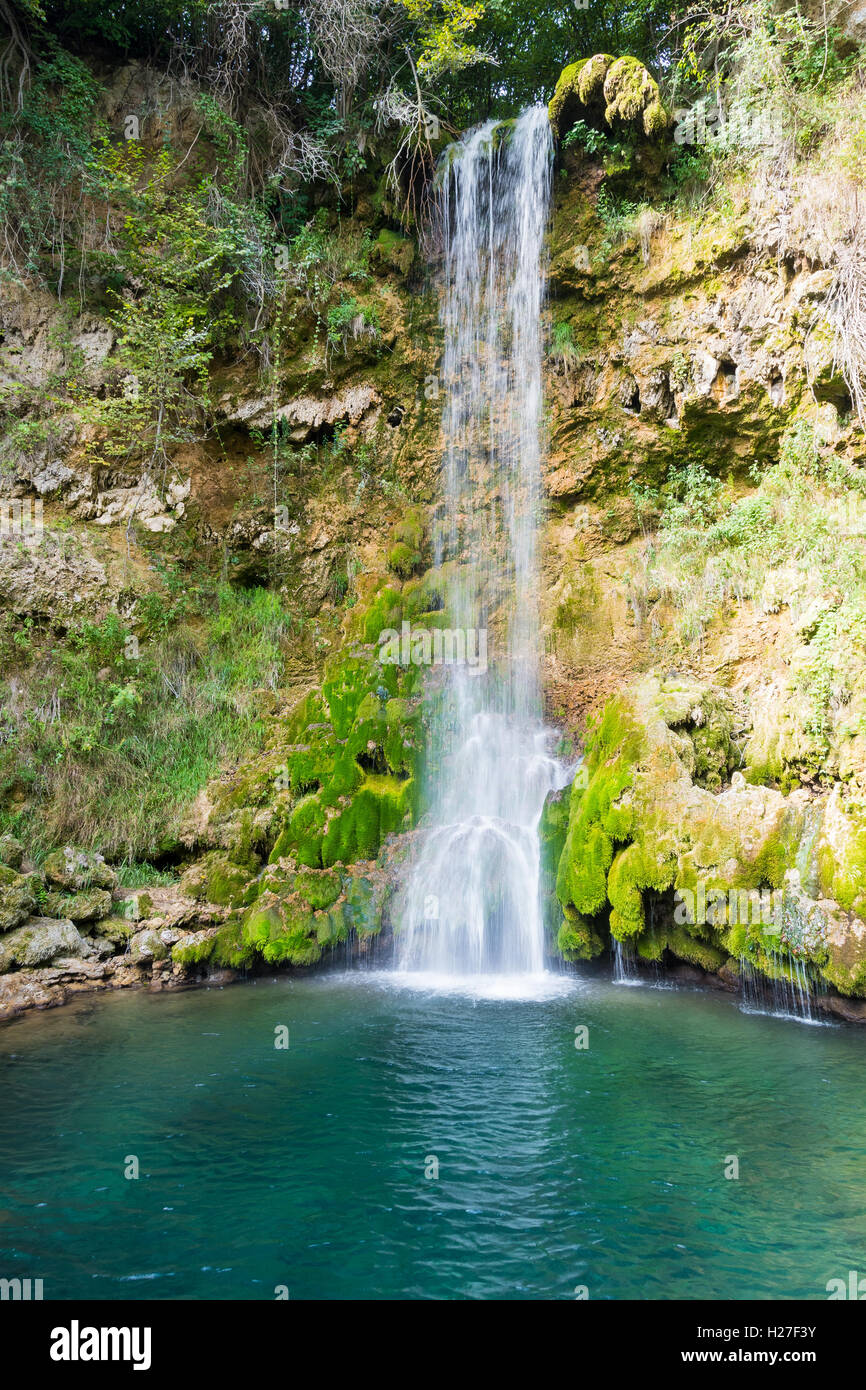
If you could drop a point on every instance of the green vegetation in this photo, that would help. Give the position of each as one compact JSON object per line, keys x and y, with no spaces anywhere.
{"x":108,"y":749}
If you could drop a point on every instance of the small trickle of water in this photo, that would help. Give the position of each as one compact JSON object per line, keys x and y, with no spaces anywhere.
{"x":788,"y":994}
{"x":624,"y":965}
{"x":471,"y":903}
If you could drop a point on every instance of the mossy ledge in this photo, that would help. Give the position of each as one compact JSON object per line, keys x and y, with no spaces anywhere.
{"x":648,"y":823}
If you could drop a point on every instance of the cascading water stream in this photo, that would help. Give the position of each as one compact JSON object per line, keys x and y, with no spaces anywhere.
{"x":471,"y":904}
{"x":788,"y":993}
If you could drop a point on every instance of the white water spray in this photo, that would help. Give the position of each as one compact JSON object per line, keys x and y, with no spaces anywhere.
{"x":471,"y":903}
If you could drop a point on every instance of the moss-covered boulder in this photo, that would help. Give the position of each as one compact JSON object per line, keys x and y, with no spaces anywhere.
{"x":606,"y":91}
{"x":11,"y":852}
{"x":215,"y":879}
{"x":18,"y":897}
{"x":115,"y":930}
{"x":40,"y":940}
{"x":632,"y":95}
{"x":87,"y":906}
{"x":76,"y":869}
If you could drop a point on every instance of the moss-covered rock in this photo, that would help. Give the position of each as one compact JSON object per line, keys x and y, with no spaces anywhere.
{"x":40,"y":940}
{"x":642,"y":825}
{"x":320,"y":890}
{"x":11,"y":852}
{"x":134,"y":907}
{"x":631,"y":94}
{"x":618,"y":92}
{"x":19,"y":895}
{"x":76,"y":869}
{"x":116,"y":930}
{"x":216,"y":879}
{"x":86,"y":906}
{"x":390,"y":251}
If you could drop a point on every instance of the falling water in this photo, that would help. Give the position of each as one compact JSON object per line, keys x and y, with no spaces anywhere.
{"x":788,"y":994}
{"x":472,"y":904}
{"x":624,"y":968}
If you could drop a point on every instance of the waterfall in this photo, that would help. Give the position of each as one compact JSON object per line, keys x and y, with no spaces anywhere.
{"x":624,"y":969}
{"x":471,"y":903}
{"x":787,"y":993}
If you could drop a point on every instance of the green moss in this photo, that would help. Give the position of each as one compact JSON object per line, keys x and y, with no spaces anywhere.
{"x":842,"y":865}
{"x":216,"y":879}
{"x":365,"y":898}
{"x":620,"y":87}
{"x":386,"y":611}
{"x":409,"y":531}
{"x":347,"y":681}
{"x":578,"y":939}
{"x":565,"y":102}
{"x":689,"y":948}
{"x":393,"y":252}
{"x":192,"y":953}
{"x":382,"y":806}
{"x":600,"y":815}
{"x":319,"y":889}
{"x":304,"y":832}
{"x":634,"y":870}
{"x":403,"y":560}
{"x":590,"y":79}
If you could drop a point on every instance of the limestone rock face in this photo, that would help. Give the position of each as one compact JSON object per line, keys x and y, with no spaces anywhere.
{"x":42,"y":581}
{"x":742,"y":874}
{"x":308,"y":415}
